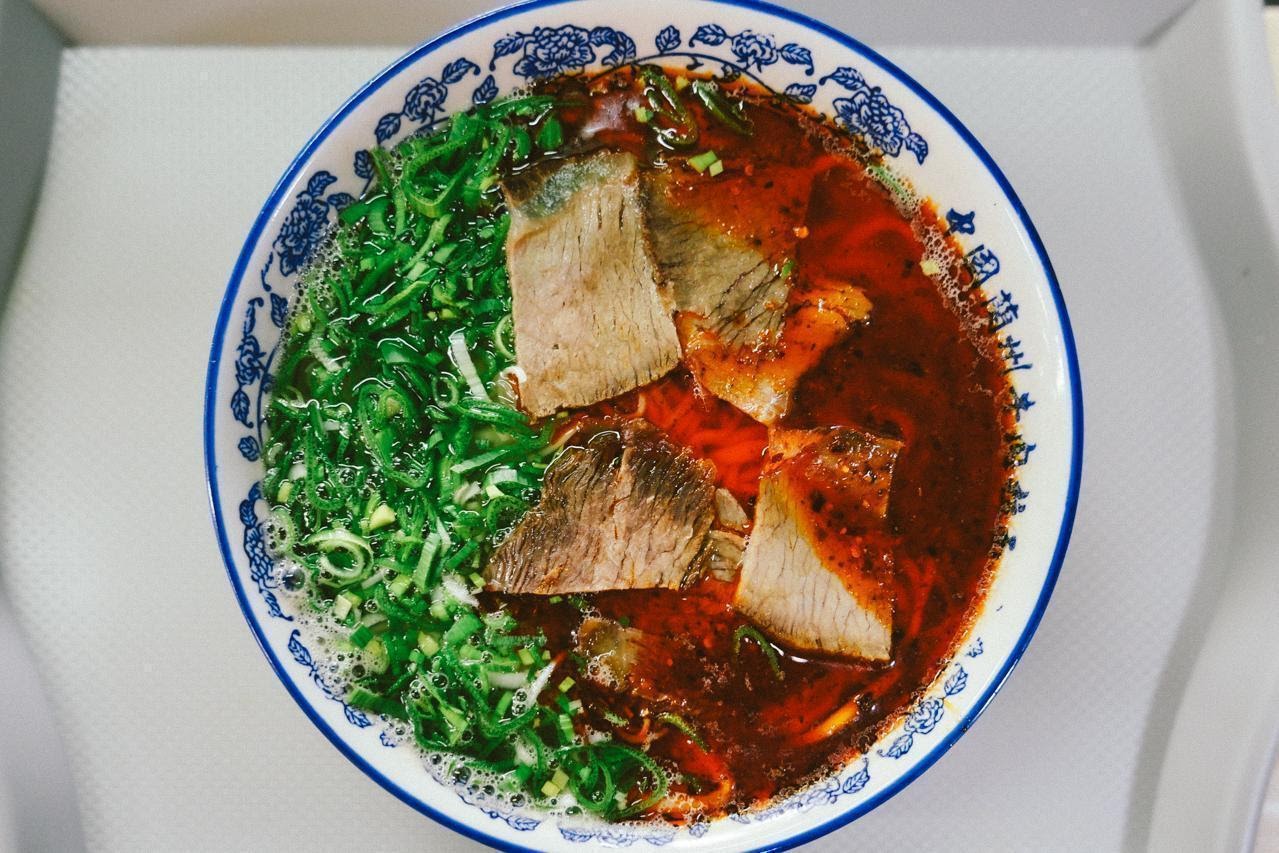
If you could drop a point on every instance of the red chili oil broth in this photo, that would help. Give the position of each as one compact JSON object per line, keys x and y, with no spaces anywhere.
{"x":923,"y":370}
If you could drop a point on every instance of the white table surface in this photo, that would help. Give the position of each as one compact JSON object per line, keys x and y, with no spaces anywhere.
{"x":1267,"y":840}
{"x":178,"y":734}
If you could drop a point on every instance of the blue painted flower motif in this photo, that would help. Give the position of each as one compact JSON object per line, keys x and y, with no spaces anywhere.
{"x":301,"y":233}
{"x":800,"y":93}
{"x":828,"y":793}
{"x":796,"y":55}
{"x":303,"y":656}
{"x":850,"y":78}
{"x":250,"y":365}
{"x":240,"y":406}
{"x":623,"y":46}
{"x":248,"y":362}
{"x":485,"y":92}
{"x":298,"y":649}
{"x":424,"y":99}
{"x":610,"y":836}
{"x":900,"y":746}
{"x":961,"y":223}
{"x":261,"y":567}
{"x":869,"y":112}
{"x":555,"y":50}
{"x":956,"y":683}
{"x":308,"y":222}
{"x":457,"y":70}
{"x":279,"y":309}
{"x":519,"y":822}
{"x":363,"y":165}
{"x":249,"y":448}
{"x":387,"y":126}
{"x":667,"y":40}
{"x":925,"y":717}
{"x":856,"y":781}
{"x":755,"y":49}
{"x":709,"y":35}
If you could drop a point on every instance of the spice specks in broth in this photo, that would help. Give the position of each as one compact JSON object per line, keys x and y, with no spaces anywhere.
{"x":913,"y":372}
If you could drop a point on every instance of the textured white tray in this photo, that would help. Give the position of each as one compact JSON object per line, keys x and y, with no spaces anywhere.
{"x":179,"y":736}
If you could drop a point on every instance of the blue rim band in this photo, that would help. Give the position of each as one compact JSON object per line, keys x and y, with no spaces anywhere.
{"x":295,"y":167}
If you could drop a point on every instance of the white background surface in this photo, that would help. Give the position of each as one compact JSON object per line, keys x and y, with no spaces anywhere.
{"x":335,"y":22}
{"x":1267,"y":840}
{"x":1268,"y":826}
{"x":178,"y":733}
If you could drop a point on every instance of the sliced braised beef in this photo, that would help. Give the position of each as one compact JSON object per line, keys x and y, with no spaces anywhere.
{"x":590,"y":322}
{"x":724,"y":550}
{"x":729,"y":512}
{"x":731,"y":300}
{"x":792,"y":585}
{"x":737,"y":291}
{"x":623,"y":508}
{"x":855,"y":465}
{"x":748,"y":326}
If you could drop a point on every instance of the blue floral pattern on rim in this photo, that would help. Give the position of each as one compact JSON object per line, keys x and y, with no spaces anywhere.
{"x":302,"y":655}
{"x":752,"y":49}
{"x":542,"y":52}
{"x":548,"y":51}
{"x":307,"y":223}
{"x":818,"y":795}
{"x":869,"y":113}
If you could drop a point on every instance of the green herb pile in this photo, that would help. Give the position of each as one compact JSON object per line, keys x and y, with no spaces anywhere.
{"x":397,"y":460}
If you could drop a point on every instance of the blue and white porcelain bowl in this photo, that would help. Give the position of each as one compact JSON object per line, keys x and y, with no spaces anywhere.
{"x":920,"y":139}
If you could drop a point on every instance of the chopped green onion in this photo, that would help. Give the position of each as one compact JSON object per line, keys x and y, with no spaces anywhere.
{"x":461,"y":630}
{"x":678,"y":722}
{"x":396,"y":454}
{"x":341,"y":606}
{"x":361,"y":636}
{"x":762,"y":642}
{"x":701,"y":162}
{"x":551,"y":135}
{"x":465,"y":366}
{"x":362,"y":698}
{"x":381,"y":517}
{"x":428,"y":644}
{"x":399,"y":586}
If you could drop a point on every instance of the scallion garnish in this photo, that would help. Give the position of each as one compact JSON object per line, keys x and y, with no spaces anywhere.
{"x":396,"y":459}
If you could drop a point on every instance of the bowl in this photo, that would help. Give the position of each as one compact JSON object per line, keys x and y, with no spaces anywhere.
{"x":805,"y":60}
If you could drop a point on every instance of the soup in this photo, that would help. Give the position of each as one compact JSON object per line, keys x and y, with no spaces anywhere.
{"x":641,"y":445}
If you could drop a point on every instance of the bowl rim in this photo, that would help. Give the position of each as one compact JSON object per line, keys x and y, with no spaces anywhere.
{"x":763,"y":6}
